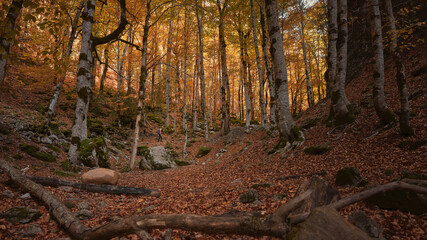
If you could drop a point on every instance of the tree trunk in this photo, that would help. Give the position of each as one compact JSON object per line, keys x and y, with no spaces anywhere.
{"x":339,"y":106}
{"x":79,"y":130}
{"x":405,"y":126}
{"x":202,"y":72}
{"x":168,"y":70}
{"x":386,"y":116}
{"x":289,"y":132}
{"x":225,"y":87}
{"x":141,"y":91}
{"x":120,"y":64}
{"x":264,"y":120}
{"x":310,"y":98}
{"x":184,"y":79}
{"x":12,"y":15}
{"x":104,"y":70}
{"x":268,"y":68}
{"x":195,"y":91}
{"x":244,"y":78}
{"x":58,"y":88}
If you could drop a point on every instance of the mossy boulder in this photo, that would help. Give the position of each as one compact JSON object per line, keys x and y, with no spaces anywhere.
{"x":95,"y":126}
{"x":250,"y":196}
{"x":316,"y":149}
{"x":203,"y":151}
{"x":21,"y":215}
{"x":349,"y":176}
{"x":181,"y":163}
{"x":34,"y":151}
{"x":310,"y":123}
{"x":155,"y":158}
{"x":94,"y":152}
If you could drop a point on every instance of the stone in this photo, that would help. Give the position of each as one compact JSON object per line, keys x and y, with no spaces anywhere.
{"x":83,"y":206}
{"x":25,"y":196}
{"x":101,"y":176}
{"x":8,"y":193}
{"x":69,"y":203}
{"x":250,"y":196}
{"x":155,"y":158}
{"x":349,"y":176}
{"x":326,"y":223}
{"x":366,"y":224}
{"x":33,"y":230}
{"x":46,"y":140}
{"x":94,"y":153}
{"x":83,"y":214}
{"x":102,"y":204}
{"x":21,"y":214}
{"x":66,"y":188}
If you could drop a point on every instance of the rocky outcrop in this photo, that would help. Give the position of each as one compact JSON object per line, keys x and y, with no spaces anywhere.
{"x":155,"y":158}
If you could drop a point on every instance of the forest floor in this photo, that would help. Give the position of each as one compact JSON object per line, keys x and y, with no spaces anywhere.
{"x":239,"y":161}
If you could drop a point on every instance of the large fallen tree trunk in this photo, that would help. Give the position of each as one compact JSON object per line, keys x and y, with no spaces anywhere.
{"x":275,"y":225}
{"x":111,"y":189}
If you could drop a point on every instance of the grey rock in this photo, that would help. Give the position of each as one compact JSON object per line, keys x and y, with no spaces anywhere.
{"x":159,"y":158}
{"x":46,"y":140}
{"x":25,"y":196}
{"x":69,"y":204}
{"x":366,"y":224}
{"x":21,"y":214}
{"x":102,"y":204}
{"x":83,"y":206}
{"x":255,"y":203}
{"x":8,"y":193}
{"x":250,"y":196}
{"x":32,"y":230}
{"x":83,"y":214}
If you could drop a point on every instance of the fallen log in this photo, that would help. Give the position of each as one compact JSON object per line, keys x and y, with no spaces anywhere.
{"x":275,"y":225}
{"x":111,"y":189}
{"x":322,"y":173}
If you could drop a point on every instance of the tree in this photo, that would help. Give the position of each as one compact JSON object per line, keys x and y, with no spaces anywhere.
{"x":289,"y":132}
{"x":8,"y":27}
{"x":168,"y":69}
{"x":264,"y":120}
{"x":386,"y":116}
{"x":104,"y":70}
{"x":225,"y":88}
{"x":405,"y":126}
{"x":337,"y":61}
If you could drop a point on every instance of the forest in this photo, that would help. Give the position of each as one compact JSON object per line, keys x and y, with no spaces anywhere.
{"x":213,"y":119}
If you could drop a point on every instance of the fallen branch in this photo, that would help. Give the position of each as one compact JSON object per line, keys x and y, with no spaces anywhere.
{"x":322,"y":173}
{"x":111,"y":189}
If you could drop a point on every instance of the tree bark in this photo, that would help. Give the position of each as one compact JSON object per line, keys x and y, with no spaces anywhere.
{"x":202,"y":72}
{"x":10,"y":22}
{"x":264,"y":118}
{"x":244,"y":77}
{"x":120,"y":63}
{"x":268,"y":68}
{"x":58,"y":88}
{"x":310,"y":98}
{"x":168,"y":70}
{"x":79,"y":130}
{"x":289,"y":132}
{"x":104,"y":70}
{"x":225,"y":88}
{"x":405,"y":125}
{"x":141,"y":91}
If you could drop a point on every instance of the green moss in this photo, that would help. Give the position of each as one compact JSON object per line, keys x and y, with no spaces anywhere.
{"x":95,"y":126}
{"x":41,"y":129}
{"x":53,"y":147}
{"x":155,"y":118}
{"x":34,"y":152}
{"x":125,"y":169}
{"x":61,"y":173}
{"x":181,"y":163}
{"x":254,"y":122}
{"x":87,"y":146}
{"x":17,"y":156}
{"x":295,"y":134}
{"x":173,"y":154}
{"x":142,"y":150}
{"x":316,"y":150}
{"x":236,"y":121}
{"x":168,"y":145}
{"x":168,"y":129}
{"x":203,"y":151}
{"x":193,"y":140}
{"x":66,"y":166}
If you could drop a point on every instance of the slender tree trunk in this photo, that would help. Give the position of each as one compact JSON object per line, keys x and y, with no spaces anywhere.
{"x":141,"y":91}
{"x":79,"y":130}
{"x":212,"y":97}
{"x":289,"y":132}
{"x":120,"y":63}
{"x":202,"y":72}
{"x":386,"y":116}
{"x":338,"y":58}
{"x":12,"y":15}
{"x":104,"y":70}
{"x":168,"y":70}
{"x":264,"y":120}
{"x":129,"y":70}
{"x":310,"y":98}
{"x":251,"y":91}
{"x":244,"y":77}
{"x":405,"y":126}
{"x":184,"y":111}
{"x":58,"y":88}
{"x":332,"y":45}
{"x":93,"y":74}
{"x":225,"y":87}
{"x":195,"y":92}
{"x":268,"y":68}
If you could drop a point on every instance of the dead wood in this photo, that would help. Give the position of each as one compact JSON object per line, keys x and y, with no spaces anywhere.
{"x":302,"y":175}
{"x":111,"y":189}
{"x":275,"y":225}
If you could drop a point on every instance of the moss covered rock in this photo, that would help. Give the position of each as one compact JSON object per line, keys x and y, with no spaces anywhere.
{"x":94,"y":152}
{"x":350,"y":176}
{"x":250,"y":196}
{"x":310,"y":123}
{"x":203,"y":151}
{"x":34,"y":152}
{"x":316,"y":149}
{"x":95,"y":126}
{"x":155,"y":158}
{"x":21,"y":215}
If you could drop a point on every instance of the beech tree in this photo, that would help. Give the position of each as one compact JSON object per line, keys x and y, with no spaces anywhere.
{"x":290,"y":135}
{"x":405,"y":126}
{"x":7,"y":35}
